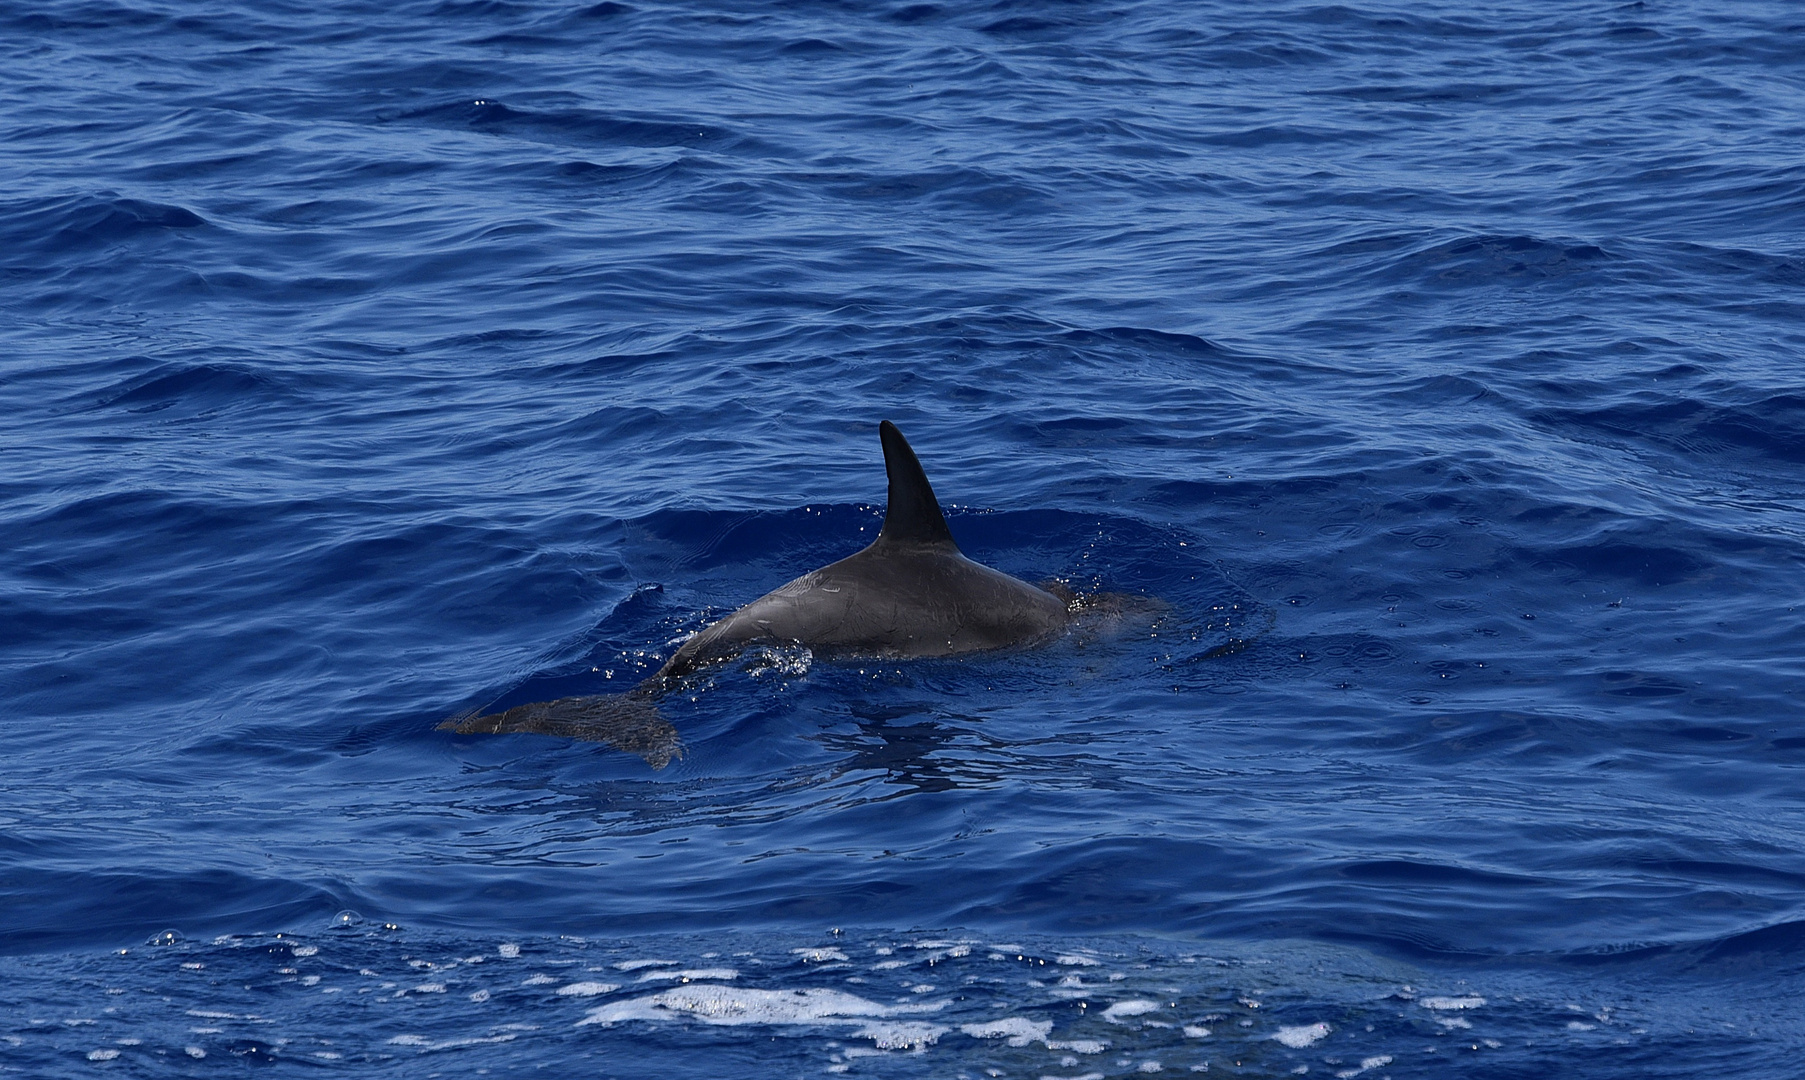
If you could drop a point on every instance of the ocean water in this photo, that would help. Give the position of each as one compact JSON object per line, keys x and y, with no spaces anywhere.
{"x":1434,"y":370}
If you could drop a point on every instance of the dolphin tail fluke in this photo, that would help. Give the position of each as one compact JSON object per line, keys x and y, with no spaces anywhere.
{"x":627,"y":722}
{"x":913,"y":515}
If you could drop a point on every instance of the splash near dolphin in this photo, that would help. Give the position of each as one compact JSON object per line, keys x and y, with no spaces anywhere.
{"x":910,"y":593}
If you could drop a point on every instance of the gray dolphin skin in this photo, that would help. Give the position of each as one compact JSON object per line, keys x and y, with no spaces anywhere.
{"x":910,"y":593}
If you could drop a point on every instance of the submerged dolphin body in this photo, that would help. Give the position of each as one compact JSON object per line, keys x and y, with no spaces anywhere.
{"x":909,"y":593}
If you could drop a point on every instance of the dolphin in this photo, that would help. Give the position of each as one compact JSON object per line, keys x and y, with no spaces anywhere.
{"x":909,"y":593}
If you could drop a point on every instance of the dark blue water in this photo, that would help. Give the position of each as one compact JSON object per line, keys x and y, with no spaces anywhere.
{"x":364,"y":364}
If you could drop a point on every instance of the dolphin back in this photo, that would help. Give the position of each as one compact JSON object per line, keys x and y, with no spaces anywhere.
{"x":889,"y":600}
{"x":910,"y":593}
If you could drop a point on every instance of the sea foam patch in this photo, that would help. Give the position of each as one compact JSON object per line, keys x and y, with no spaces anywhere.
{"x":689,"y":975}
{"x":1016,"y":1030}
{"x":934,"y":1007}
{"x":819,"y":956}
{"x":1302,"y":1035}
{"x":1122,"y":1011}
{"x":1471,"y":1001}
{"x":816,"y":1006}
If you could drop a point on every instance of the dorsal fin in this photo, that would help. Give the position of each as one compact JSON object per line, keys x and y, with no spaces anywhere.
{"x":913,"y":516}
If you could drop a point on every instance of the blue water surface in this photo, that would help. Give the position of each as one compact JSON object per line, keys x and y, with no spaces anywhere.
{"x":366,"y":364}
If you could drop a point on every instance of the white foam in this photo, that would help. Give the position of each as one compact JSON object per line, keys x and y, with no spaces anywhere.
{"x":538,"y":980}
{"x":306,"y":950}
{"x":194,"y":1052}
{"x":1297,"y":1038}
{"x":819,"y":956}
{"x":1196,"y":1031}
{"x":587,"y":989}
{"x":1366,"y":1065}
{"x":1020,"y":1031}
{"x":690,"y":974}
{"x":1086,"y":1076}
{"x":424,"y":1043}
{"x":1075,"y":960}
{"x":635,"y":965}
{"x":1149,"y":1067}
{"x":1470,"y":1002}
{"x":430,"y":988}
{"x":510,"y":950}
{"x":1122,"y":1010}
{"x":1078,"y":1046}
{"x":937,"y":955}
{"x":901,"y":1035}
{"x":102,"y":1055}
{"x":730,"y":1005}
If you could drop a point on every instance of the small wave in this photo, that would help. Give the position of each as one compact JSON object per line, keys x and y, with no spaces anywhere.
{"x":1465,"y":261}
{"x":55,"y":227}
{"x":1767,"y":949}
{"x":1770,"y":427}
{"x":194,"y":389}
{"x":1405,"y":871}
{"x":968,"y":188}
{"x":61,"y":907}
{"x":571,"y":127}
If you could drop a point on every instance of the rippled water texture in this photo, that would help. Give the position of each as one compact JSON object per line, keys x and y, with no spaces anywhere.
{"x":363,"y":365}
